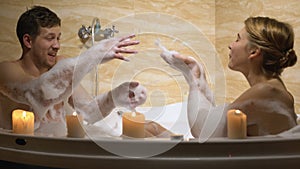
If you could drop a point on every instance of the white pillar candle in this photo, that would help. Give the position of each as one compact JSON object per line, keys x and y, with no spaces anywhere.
{"x":23,"y":122}
{"x":75,"y":125}
{"x":133,"y":124}
{"x":236,"y":124}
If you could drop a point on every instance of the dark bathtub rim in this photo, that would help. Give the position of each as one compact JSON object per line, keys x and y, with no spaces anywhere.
{"x":272,"y":151}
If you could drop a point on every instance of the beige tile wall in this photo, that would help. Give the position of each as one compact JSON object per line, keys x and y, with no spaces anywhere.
{"x":201,"y":28}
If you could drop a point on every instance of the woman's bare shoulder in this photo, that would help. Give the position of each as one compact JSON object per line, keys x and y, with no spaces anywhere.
{"x":267,"y":105}
{"x":262,"y":96}
{"x":267,"y":90}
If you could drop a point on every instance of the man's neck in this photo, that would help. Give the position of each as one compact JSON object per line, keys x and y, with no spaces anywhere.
{"x":30,"y":67}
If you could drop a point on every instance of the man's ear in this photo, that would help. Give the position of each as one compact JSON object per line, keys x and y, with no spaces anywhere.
{"x":254,"y":52}
{"x":27,"y":40}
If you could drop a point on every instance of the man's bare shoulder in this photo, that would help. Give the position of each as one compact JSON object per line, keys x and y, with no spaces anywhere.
{"x":10,"y":71}
{"x":8,"y":64}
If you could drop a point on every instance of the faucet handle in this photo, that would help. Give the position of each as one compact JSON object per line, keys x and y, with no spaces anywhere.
{"x":114,"y":31}
{"x":110,"y":32}
{"x":83,"y":33}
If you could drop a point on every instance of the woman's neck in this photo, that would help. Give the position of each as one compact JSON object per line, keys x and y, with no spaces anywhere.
{"x":255,"y":77}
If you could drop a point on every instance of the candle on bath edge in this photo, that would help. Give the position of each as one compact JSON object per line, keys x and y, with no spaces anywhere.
{"x":23,"y":122}
{"x":236,"y":124}
{"x":75,"y":125}
{"x":133,"y":124}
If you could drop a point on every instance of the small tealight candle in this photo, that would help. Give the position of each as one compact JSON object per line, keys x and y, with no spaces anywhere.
{"x":23,"y":122}
{"x":133,"y":124}
{"x":236,"y":124}
{"x":74,"y":125}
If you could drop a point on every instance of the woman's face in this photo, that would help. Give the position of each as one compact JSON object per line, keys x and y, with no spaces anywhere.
{"x":239,"y":52}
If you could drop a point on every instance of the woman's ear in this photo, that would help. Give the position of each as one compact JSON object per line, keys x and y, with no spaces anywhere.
{"x":254,"y":52}
{"x":27,"y":40}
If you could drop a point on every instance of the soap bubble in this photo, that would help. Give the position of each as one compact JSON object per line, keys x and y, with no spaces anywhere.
{"x":151,"y":71}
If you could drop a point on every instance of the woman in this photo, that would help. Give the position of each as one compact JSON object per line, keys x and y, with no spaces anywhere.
{"x":262,"y":50}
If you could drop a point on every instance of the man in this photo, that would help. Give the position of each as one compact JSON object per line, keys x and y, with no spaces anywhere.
{"x":45,"y":83}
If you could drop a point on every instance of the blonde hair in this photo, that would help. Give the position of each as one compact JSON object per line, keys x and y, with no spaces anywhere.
{"x":276,"y":41}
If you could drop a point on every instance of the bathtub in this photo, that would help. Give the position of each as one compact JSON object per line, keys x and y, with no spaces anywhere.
{"x":281,"y":151}
{"x":254,"y":152}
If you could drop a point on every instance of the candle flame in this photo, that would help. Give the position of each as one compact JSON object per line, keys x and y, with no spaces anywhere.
{"x":74,"y":113}
{"x":24,"y":114}
{"x":237,"y":111}
{"x":133,"y":114}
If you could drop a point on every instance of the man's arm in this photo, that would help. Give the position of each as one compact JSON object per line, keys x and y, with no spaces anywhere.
{"x":93,"y":109}
{"x":57,"y":84}
{"x":128,"y":95}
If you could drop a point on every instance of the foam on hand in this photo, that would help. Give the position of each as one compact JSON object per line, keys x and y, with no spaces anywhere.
{"x":164,"y":49}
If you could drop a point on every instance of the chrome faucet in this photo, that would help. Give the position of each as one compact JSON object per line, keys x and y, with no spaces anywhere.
{"x":95,"y":32}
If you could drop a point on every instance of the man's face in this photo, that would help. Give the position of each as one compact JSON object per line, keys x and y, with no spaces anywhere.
{"x":45,"y":47}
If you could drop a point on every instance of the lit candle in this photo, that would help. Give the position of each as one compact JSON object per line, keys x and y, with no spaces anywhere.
{"x":23,"y":122}
{"x":133,"y":124}
{"x":236,"y":124}
{"x":74,"y":125}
